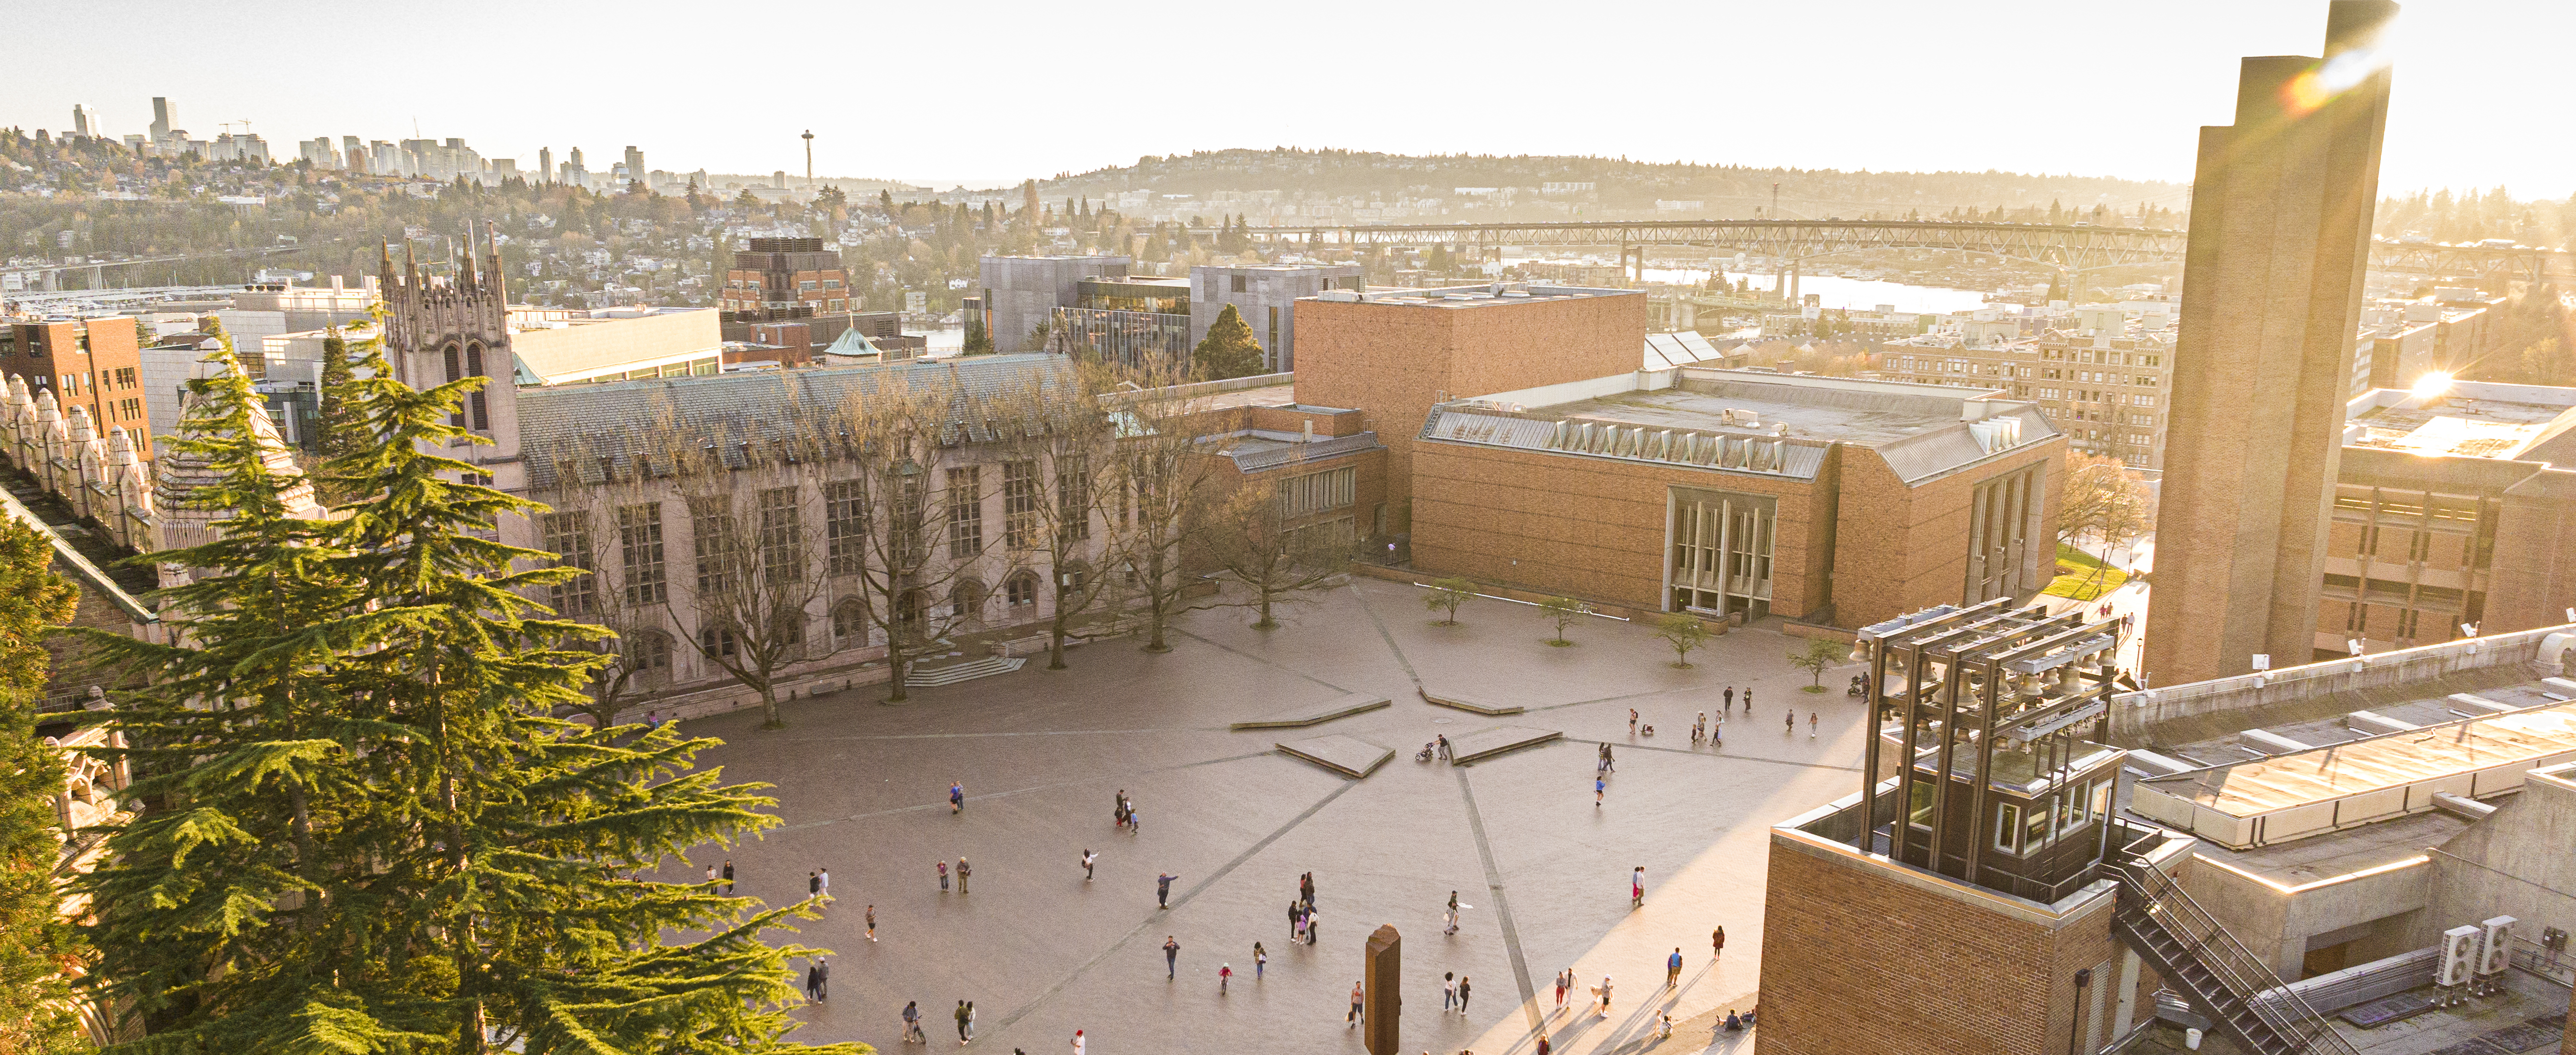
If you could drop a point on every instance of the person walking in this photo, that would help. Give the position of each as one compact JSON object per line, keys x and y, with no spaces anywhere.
{"x":1448,"y":991}
{"x":1224,"y":977}
{"x":822,"y":978}
{"x":962,"y":872}
{"x":1699,"y":728}
{"x":1811,"y":725}
{"x":1605,"y":995}
{"x":1542,"y":1044}
{"x":1087,"y":857}
{"x":813,"y":882}
{"x":1163,"y":890}
{"x":728,"y":877}
{"x":1717,"y":732}
{"x":1789,"y":722}
{"x":1357,"y":996}
{"x":1730,"y":699}
{"x":1598,"y":786}
{"x":872,"y":923}
{"x":1260,"y":959}
{"x":1632,"y":721}
{"x":970,"y":1020}
{"x":1561,"y":981}
{"x":1637,"y":888}
{"x":1673,"y":969}
{"x":1135,"y":823}
{"x":943,"y":875}
{"x":1748,"y":701}
{"x":823,"y":883}
{"x":711,"y":875}
{"x":1609,"y":760}
{"x":1465,"y":990}
{"x":1171,"y":957}
{"x":961,"y":1023}
{"x":812,"y":980}
{"x":1717,"y":943}
{"x":912,"y":1023}
{"x":1077,"y":1042}
{"x":956,"y":799}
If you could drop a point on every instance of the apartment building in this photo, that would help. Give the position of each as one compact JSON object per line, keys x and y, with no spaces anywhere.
{"x":2107,"y":388}
{"x":95,"y":365}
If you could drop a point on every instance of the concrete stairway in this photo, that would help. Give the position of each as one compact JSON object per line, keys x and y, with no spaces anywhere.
{"x":924,"y":677}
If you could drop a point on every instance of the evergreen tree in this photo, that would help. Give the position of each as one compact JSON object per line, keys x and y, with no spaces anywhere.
{"x":373,"y":834}
{"x":338,"y":420}
{"x":35,"y":943}
{"x":1229,"y":349}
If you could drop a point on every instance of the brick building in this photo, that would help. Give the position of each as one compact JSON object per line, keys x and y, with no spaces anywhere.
{"x":94,"y":364}
{"x":2109,"y":388}
{"x":1527,"y":448}
{"x":2272,"y":297}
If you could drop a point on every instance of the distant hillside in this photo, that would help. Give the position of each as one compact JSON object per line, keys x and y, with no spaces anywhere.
{"x":1726,"y":190}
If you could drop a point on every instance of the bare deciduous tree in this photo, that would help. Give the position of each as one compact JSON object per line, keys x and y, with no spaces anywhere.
{"x":910,"y":515}
{"x":1162,"y":482}
{"x":1265,"y":544}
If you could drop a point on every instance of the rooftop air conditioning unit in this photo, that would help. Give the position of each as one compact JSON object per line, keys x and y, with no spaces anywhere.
{"x":2495,"y":949}
{"x":2459,"y":958}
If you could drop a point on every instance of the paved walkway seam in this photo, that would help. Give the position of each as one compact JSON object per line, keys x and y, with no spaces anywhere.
{"x":1502,"y":905}
{"x":1263,"y":660}
{"x":1391,"y":646}
{"x":1162,"y":915}
{"x":1014,"y":791}
{"x":1714,"y":754}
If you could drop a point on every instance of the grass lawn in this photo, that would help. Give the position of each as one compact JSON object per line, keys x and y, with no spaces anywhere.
{"x":2082,"y":576}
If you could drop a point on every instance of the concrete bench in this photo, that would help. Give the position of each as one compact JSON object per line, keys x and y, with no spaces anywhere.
{"x":1342,"y":706}
{"x":1349,"y":756}
{"x":1465,"y":702}
{"x":1482,"y":744}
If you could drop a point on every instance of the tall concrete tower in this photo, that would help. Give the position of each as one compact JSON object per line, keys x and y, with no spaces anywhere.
{"x":164,"y":118}
{"x":2280,"y":231}
{"x":545,"y":164}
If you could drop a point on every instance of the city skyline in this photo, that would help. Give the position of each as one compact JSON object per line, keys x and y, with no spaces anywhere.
{"x":1975,"y":96}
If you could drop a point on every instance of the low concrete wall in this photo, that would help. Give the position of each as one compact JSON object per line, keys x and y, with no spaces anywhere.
{"x":2278,"y":696}
{"x":1409,"y":577}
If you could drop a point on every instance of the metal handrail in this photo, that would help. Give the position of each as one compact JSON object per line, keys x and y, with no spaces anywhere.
{"x":2254,"y":984}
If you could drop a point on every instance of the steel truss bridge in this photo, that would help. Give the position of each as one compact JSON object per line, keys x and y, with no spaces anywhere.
{"x":2073,"y":248}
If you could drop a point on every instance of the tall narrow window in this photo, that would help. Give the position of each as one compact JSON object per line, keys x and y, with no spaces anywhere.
{"x":567,"y":536}
{"x":711,"y":541}
{"x":474,"y":401}
{"x":782,"y":536}
{"x":639,"y":544}
{"x":908,"y":532}
{"x":845,"y":520}
{"x":1020,"y":504}
{"x":965,"y":513}
{"x":1073,"y":501}
{"x":455,"y":369}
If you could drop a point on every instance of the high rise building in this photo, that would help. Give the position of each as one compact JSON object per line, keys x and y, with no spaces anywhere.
{"x":635,"y":167}
{"x":80,"y":122}
{"x":2272,"y":296}
{"x":353,"y":154}
{"x":165,"y":116}
{"x":545,"y":164}
{"x":572,"y":173}
{"x":784,"y":278}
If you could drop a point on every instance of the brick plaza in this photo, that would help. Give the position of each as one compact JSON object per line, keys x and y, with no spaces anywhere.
{"x":862,"y":790}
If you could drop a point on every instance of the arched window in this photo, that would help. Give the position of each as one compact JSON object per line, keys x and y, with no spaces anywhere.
{"x":911,"y":614}
{"x":454,"y":355}
{"x":718,"y":643}
{"x":966,"y":601}
{"x":850,"y":621}
{"x":648,"y":655}
{"x":1021,"y":592}
{"x":474,"y":401}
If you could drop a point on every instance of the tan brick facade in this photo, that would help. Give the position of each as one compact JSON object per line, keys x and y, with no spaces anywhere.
{"x":1858,"y":956}
{"x":1394,"y":360}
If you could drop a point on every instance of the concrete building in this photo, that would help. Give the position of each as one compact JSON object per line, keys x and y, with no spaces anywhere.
{"x":95,"y":365}
{"x":1266,"y":296}
{"x":2449,"y":332}
{"x":1019,"y":292}
{"x":1124,"y":318}
{"x":2280,"y":232}
{"x":2355,"y":834}
{"x":2452,"y":508}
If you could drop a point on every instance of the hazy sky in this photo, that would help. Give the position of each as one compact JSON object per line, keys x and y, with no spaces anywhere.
{"x":993,"y":92}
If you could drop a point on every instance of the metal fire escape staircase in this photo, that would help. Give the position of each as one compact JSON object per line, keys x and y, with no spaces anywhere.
{"x":2222,"y":979}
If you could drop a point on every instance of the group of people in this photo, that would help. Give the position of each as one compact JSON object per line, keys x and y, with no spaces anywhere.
{"x":1124,"y":814}
{"x":1301,"y":912}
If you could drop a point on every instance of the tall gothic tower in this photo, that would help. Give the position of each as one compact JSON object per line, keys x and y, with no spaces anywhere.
{"x":441,"y":329}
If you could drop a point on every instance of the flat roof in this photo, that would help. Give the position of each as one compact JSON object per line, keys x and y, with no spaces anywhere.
{"x":2471,"y":420}
{"x":1450,"y":299}
{"x":1705,"y":417}
{"x":2527,"y":738}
